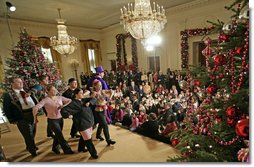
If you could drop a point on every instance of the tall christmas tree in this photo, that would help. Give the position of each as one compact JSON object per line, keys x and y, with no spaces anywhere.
{"x":28,"y":63}
{"x":218,"y":129}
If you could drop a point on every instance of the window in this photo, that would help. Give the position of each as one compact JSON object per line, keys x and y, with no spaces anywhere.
{"x":91,"y":57}
{"x":47,"y":54}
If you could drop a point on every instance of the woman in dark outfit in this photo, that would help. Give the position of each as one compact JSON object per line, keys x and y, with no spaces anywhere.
{"x":83,"y":119}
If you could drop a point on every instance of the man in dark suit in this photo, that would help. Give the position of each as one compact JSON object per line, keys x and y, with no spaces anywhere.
{"x":133,"y":90}
{"x":69,"y":93}
{"x":135,"y":104}
{"x":18,"y":106}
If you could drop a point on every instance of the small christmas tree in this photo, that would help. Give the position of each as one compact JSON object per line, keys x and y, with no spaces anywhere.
{"x":28,"y":63}
{"x":218,"y":129}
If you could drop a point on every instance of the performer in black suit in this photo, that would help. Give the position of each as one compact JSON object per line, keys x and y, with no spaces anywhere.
{"x":69,"y":94}
{"x":18,"y":106}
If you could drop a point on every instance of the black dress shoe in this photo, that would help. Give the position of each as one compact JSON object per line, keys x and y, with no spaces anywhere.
{"x":99,"y":137}
{"x":82,"y":150}
{"x":36,"y":148}
{"x":34,"y":154}
{"x":75,"y":136}
{"x":68,"y":152}
{"x":56,"y":151}
{"x":51,"y":136}
{"x":95,"y":156}
{"x":111,"y":142}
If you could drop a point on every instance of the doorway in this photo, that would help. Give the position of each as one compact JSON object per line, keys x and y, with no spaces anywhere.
{"x":154,"y":63}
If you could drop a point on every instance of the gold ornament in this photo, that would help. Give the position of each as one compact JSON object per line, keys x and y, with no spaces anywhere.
{"x":183,"y":85}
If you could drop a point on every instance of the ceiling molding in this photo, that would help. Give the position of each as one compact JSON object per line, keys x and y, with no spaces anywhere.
{"x":190,"y":5}
{"x":27,"y":23}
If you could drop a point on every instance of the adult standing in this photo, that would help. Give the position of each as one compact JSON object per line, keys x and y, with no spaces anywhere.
{"x":17,"y":106}
{"x":53,"y":105}
{"x":69,"y":93}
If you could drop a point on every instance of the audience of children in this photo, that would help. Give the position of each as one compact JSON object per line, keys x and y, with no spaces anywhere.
{"x":155,"y":112}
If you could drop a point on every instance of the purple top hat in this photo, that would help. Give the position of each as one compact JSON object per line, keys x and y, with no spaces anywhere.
{"x":99,"y":70}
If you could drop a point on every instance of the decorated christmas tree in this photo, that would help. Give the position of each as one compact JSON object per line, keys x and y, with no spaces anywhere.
{"x":218,"y":129}
{"x":28,"y":63}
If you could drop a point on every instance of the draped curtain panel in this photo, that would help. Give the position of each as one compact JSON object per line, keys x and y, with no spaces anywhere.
{"x":90,"y":44}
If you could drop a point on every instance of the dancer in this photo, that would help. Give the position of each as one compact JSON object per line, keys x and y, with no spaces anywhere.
{"x":101,"y":108}
{"x":53,"y":105}
{"x":73,"y":84}
{"x":41,"y":93}
{"x":99,"y":76}
{"x":83,"y":120}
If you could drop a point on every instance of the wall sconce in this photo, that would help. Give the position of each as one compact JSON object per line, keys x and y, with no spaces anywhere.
{"x":11,"y":7}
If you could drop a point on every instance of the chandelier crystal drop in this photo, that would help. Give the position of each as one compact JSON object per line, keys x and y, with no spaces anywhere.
{"x":141,"y":21}
{"x":64,"y":44}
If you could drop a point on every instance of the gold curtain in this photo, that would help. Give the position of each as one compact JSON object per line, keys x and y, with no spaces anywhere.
{"x":45,"y":43}
{"x":90,"y":44}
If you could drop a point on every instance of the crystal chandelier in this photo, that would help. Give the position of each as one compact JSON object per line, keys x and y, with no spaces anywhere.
{"x":141,"y":21}
{"x":64,"y":44}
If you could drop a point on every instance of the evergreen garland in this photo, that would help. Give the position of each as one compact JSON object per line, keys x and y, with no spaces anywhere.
{"x":184,"y":42}
{"x":120,"y":43}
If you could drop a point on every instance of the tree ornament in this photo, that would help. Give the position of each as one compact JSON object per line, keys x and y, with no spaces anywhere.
{"x":231,"y":112}
{"x":196,"y":82}
{"x":183,"y":85}
{"x":211,"y":89}
{"x":238,"y":50}
{"x":204,"y":131}
{"x":207,"y":52}
{"x":231,"y":122}
{"x":243,"y":154}
{"x":218,"y":119}
{"x":227,"y":27}
{"x":242,"y":128}
{"x":208,"y":41}
{"x":219,"y":59}
{"x":174,"y":142}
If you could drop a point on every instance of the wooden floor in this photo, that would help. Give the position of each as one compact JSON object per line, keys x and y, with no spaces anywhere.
{"x":130,"y":147}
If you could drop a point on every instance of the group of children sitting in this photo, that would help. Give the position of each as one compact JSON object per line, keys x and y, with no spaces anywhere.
{"x":155,"y":115}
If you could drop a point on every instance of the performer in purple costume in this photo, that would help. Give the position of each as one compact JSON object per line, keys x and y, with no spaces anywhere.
{"x":99,"y":75}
